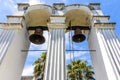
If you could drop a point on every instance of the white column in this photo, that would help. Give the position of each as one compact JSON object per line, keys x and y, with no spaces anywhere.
{"x":12,"y":59}
{"x":106,"y":59}
{"x":55,"y":64}
{"x":5,"y":40}
{"x":114,"y":49}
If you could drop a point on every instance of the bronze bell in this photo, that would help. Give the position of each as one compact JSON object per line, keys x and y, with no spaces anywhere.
{"x":78,"y":36}
{"x":37,"y":37}
{"x":39,"y":79}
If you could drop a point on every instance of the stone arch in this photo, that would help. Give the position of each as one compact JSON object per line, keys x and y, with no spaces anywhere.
{"x":77,"y":6}
{"x":38,"y":15}
{"x":78,"y":16}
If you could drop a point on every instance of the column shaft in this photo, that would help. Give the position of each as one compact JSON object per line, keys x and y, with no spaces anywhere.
{"x":5,"y":42}
{"x":106,"y":58}
{"x":55,"y":64}
{"x":11,"y":56}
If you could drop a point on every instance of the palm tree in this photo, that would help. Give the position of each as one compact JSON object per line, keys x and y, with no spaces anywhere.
{"x":39,"y":66}
{"x":79,"y":70}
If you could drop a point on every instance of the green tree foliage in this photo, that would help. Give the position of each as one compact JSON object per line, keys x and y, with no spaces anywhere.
{"x":39,"y":66}
{"x":79,"y":70}
{"x":76,"y":70}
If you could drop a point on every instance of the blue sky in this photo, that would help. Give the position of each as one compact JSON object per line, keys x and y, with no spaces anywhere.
{"x":109,"y":7}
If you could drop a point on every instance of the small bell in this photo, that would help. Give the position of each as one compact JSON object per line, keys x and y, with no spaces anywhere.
{"x":37,"y":37}
{"x":78,"y":36}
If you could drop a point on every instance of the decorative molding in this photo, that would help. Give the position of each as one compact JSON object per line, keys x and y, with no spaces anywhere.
{"x":22,"y":4}
{"x":13,"y":16}
{"x":94,"y":4}
{"x":104,"y":24}
{"x":57,"y":25}
{"x":11,"y":25}
{"x":100,"y":17}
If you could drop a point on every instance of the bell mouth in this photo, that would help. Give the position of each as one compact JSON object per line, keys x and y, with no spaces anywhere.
{"x":78,"y":38}
{"x":37,"y":39}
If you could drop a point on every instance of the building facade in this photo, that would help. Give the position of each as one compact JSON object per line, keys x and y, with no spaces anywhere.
{"x":28,"y":24}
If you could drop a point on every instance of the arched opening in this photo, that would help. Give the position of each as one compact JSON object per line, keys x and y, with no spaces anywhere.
{"x":78,"y":18}
{"x":37,"y":17}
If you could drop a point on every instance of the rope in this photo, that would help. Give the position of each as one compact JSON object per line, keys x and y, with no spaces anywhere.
{"x":70,"y":48}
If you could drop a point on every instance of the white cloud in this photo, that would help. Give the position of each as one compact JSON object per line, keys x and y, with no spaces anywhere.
{"x":28,"y":71}
{"x":76,"y":55}
{"x":64,"y":1}
{"x":32,"y":2}
{"x":12,"y":5}
{"x":7,"y":7}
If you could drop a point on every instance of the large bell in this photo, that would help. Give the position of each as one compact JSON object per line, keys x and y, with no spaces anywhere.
{"x":78,"y":36}
{"x":37,"y":37}
{"x":39,"y":79}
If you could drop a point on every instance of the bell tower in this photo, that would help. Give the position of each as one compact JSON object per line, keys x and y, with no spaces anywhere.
{"x":13,"y":39}
{"x":30,"y":21}
{"x":12,"y":59}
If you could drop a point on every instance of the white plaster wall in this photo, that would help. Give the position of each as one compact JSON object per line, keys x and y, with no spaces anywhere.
{"x":19,"y":13}
{"x":104,"y":20}
{"x":85,"y":8}
{"x":37,"y":7}
{"x":14,"y":20}
{"x":13,"y":63}
{"x":97,"y":12}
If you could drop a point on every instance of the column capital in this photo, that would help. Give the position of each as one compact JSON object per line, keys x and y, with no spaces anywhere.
{"x":104,"y":25}
{"x":57,"y":19}
{"x":56,"y":25}
{"x":100,"y":17}
{"x":57,"y":22}
{"x":11,"y":25}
